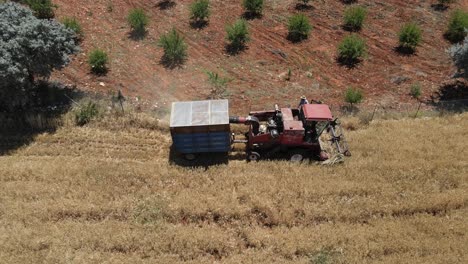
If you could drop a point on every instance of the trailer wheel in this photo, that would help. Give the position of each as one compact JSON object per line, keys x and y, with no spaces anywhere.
{"x":190,"y":156}
{"x":253,"y":156}
{"x":297,"y":157}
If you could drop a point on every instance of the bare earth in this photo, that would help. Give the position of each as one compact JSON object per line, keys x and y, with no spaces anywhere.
{"x":385,"y":76}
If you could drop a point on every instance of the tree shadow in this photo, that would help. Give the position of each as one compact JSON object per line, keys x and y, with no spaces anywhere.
{"x":18,"y":127}
{"x":137,"y":35}
{"x":234,"y":49}
{"x":295,"y":37}
{"x":348,"y":1}
{"x":405,"y":51}
{"x":439,"y":7}
{"x":251,"y":15}
{"x":165,"y":4}
{"x":304,"y":7}
{"x":348,"y":62}
{"x":172,"y":63}
{"x":350,"y":28}
{"x":198,"y":24}
{"x":452,"y":97}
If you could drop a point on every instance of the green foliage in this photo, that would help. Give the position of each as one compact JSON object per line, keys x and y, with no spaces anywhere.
{"x":298,"y":27}
{"x":237,"y":34}
{"x":29,"y":48}
{"x":200,"y":10}
{"x":354,"y":18}
{"x":85,"y":113}
{"x":216,"y":80}
{"x":253,"y":7}
{"x":459,"y":53}
{"x":415,"y":90}
{"x":409,"y":36}
{"x":457,"y":25}
{"x":353,"y":96}
{"x":219,"y":85}
{"x":351,"y":49}
{"x":137,"y":19}
{"x":175,"y":49}
{"x":98,"y":61}
{"x":43,"y":9}
{"x":73,"y":24}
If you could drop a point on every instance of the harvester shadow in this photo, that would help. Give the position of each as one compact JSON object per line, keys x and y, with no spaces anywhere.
{"x":18,"y":128}
{"x":203,"y":160}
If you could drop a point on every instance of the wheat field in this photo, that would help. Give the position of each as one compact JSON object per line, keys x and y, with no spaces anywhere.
{"x":104,"y":194}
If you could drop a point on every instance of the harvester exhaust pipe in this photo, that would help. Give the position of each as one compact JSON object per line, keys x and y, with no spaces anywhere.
{"x":248,"y":120}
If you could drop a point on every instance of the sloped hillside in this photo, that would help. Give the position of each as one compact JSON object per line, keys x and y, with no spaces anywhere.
{"x":100,"y":195}
{"x":385,"y":75}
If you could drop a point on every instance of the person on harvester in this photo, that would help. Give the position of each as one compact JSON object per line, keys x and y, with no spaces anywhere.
{"x":303,"y":101}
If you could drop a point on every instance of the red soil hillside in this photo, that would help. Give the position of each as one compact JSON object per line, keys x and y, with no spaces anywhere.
{"x":385,"y":76}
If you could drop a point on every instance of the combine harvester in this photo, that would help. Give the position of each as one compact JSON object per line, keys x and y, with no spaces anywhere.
{"x":204,"y":127}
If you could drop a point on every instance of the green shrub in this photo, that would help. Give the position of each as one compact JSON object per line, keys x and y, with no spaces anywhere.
{"x":415,"y":90}
{"x":457,"y":25}
{"x":253,"y":7}
{"x":73,"y":24}
{"x":354,"y":18}
{"x":85,"y":113}
{"x":298,"y":27}
{"x":43,"y":9}
{"x":137,"y":19}
{"x":98,"y":61}
{"x":200,"y":10}
{"x":237,"y":34}
{"x":351,"y":49}
{"x":175,"y":49}
{"x":353,"y":96}
{"x":409,"y":36}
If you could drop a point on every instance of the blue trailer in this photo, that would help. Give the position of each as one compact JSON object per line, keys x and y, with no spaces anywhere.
{"x":200,"y":127}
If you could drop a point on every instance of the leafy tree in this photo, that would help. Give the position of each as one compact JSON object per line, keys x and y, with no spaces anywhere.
{"x":459,"y":53}
{"x":175,"y":49}
{"x":354,"y":18}
{"x":137,"y":19}
{"x":237,"y":34}
{"x":98,"y":61}
{"x":200,"y":10}
{"x":253,"y":7}
{"x":409,"y":36}
{"x":43,"y":9}
{"x":298,"y":27}
{"x":351,"y":49}
{"x":29,"y":48}
{"x":353,"y":96}
{"x":457,"y":25}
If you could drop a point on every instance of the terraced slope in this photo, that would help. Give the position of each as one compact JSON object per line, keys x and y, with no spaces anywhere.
{"x":258,"y":73}
{"x":94,"y":195}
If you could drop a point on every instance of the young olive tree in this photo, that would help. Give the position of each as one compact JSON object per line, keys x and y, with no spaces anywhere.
{"x":29,"y":48}
{"x":459,"y":53}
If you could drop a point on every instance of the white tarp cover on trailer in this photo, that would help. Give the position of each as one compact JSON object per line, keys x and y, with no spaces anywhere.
{"x":200,"y":113}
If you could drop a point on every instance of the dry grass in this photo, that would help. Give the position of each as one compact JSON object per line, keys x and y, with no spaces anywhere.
{"x":98,"y":195}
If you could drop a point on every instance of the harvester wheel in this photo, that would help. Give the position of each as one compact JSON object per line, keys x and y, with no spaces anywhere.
{"x":190,"y":156}
{"x":253,"y":156}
